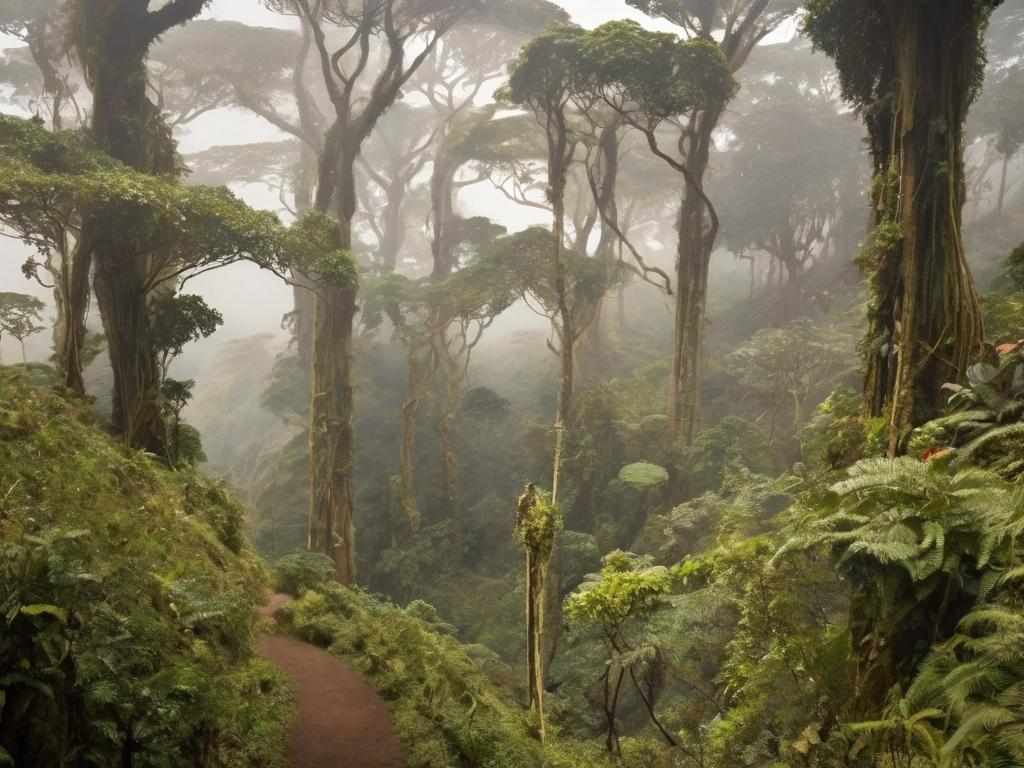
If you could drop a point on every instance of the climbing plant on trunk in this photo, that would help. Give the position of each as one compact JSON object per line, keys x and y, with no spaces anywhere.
{"x":537,"y":524}
{"x":912,"y":69}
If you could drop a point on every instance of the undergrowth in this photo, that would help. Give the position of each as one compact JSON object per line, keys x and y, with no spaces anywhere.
{"x":449,"y":706}
{"x":126,"y":604}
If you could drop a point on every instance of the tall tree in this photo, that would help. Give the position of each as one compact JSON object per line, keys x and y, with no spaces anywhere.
{"x":784,"y":194}
{"x":214,"y":64}
{"x":344,"y":67}
{"x":912,"y":69}
{"x":46,"y":213}
{"x":736,"y":27}
{"x":1001,"y":118}
{"x":35,"y":23}
{"x":112,"y":40}
{"x":541,"y":80}
{"x":472,"y":55}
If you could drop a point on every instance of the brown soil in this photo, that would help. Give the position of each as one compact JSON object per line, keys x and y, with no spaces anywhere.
{"x":342,"y":721}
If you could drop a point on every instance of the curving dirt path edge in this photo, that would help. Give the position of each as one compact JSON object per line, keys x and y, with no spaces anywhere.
{"x":342,"y":721}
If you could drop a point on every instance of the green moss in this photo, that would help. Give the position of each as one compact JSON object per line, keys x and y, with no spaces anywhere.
{"x":126,"y":603}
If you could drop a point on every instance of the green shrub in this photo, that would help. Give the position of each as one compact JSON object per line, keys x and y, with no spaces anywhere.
{"x":126,"y":604}
{"x":447,"y":711}
{"x":298,"y":571}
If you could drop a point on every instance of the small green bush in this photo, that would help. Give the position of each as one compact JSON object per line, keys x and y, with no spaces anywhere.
{"x":300,"y":570}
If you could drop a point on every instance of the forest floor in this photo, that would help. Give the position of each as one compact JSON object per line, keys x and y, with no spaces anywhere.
{"x":342,"y":722}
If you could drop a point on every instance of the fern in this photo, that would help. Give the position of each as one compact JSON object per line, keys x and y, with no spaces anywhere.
{"x":993,"y":437}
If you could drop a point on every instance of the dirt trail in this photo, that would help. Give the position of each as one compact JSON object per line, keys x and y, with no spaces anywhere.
{"x":342,"y":721}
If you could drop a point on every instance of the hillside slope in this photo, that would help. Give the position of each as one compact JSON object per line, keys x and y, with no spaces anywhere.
{"x":126,"y":603}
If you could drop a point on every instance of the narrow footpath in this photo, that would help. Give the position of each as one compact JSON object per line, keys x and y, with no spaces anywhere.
{"x":342,"y":722}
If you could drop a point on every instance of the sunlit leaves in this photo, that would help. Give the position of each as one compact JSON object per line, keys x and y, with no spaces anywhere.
{"x":626,"y":586}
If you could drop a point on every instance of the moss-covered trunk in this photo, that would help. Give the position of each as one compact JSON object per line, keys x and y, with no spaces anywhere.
{"x":112,"y":40}
{"x":925,"y":325}
{"x":693,"y":260}
{"x":332,"y":400}
{"x":332,"y":444}
{"x":537,"y":524}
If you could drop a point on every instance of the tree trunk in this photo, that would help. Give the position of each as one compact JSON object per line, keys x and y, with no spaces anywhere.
{"x":42,"y":52}
{"x":567,"y":333}
{"x":792,"y":295}
{"x":410,"y":410}
{"x":534,"y":632}
{"x":331,"y":528}
{"x":442,"y":210}
{"x":72,"y":308}
{"x":926,"y":327}
{"x":112,"y":40}
{"x":594,"y":350}
{"x":693,"y":260}
{"x":394,"y":223}
{"x":442,"y":248}
{"x":120,"y":276}
{"x":332,"y":441}
{"x":1002,"y":186}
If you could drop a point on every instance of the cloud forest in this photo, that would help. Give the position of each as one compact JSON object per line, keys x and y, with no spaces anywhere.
{"x":512,"y":383}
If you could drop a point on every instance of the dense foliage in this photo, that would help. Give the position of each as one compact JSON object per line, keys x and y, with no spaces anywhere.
{"x":630,"y":409}
{"x":127,"y":598}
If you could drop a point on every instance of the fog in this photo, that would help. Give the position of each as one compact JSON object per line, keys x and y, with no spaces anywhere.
{"x":609,"y":388}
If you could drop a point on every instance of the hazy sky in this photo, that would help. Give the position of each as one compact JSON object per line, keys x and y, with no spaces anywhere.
{"x":588,"y":13}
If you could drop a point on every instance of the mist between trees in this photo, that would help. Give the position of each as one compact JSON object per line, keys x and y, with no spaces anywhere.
{"x":672,"y":380}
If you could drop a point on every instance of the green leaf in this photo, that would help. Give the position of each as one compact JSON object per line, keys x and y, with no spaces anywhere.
{"x":38,"y":609}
